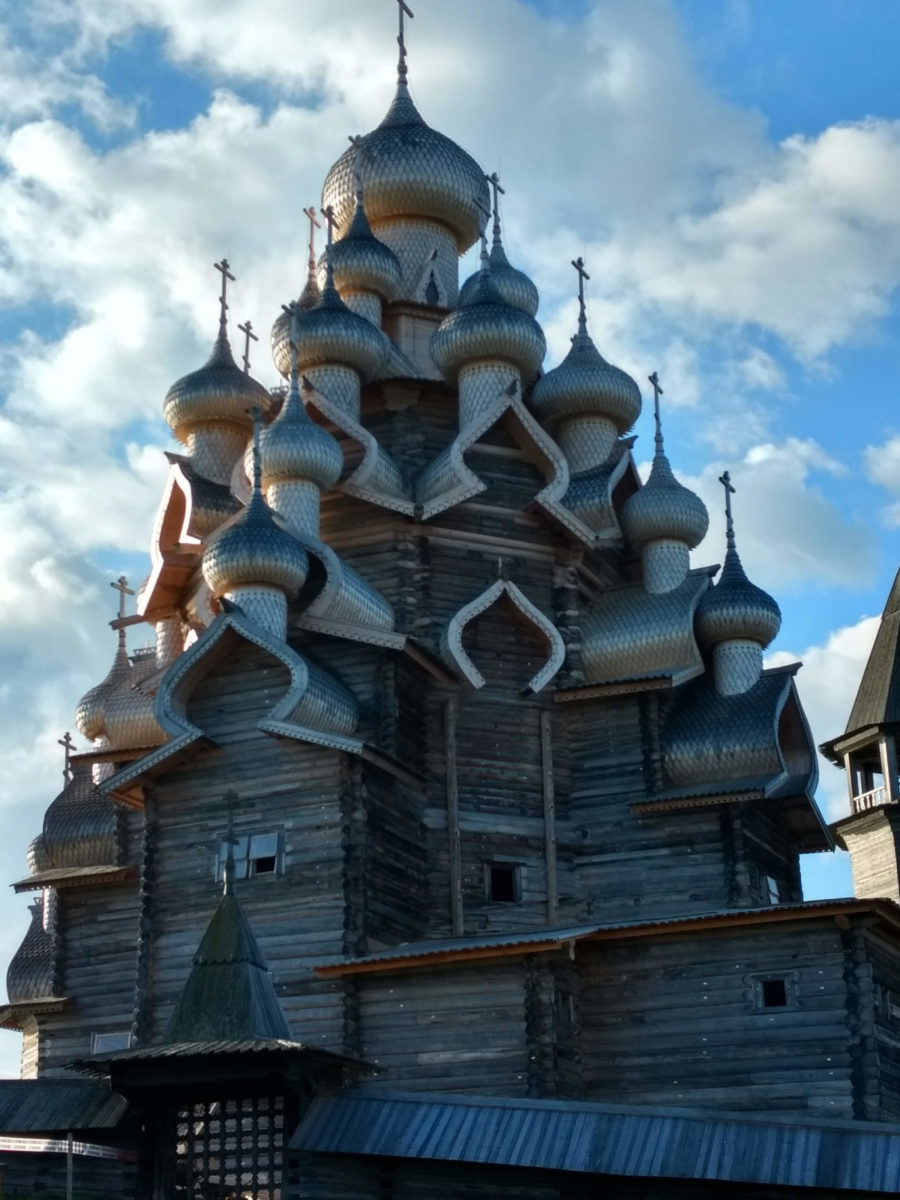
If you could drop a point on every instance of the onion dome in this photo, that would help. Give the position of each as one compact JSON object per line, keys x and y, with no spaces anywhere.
{"x":329,"y":334}
{"x":219,"y":391}
{"x":90,"y":714}
{"x":295,"y":447}
{"x":408,"y":170}
{"x":513,"y":285}
{"x":487,"y":327}
{"x":663,"y":507}
{"x":736,"y":609}
{"x":254,"y":552}
{"x":585,"y":384}
{"x":36,"y":856}
{"x":32,"y":969}
{"x":361,"y":262}
{"x":80,"y":825}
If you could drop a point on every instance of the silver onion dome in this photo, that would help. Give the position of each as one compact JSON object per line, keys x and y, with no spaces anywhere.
{"x":218,"y":391}
{"x":409,"y":170}
{"x":663,"y":507}
{"x":736,"y":609}
{"x":254,"y":550}
{"x":295,"y":447}
{"x":361,"y":262}
{"x":36,"y":856}
{"x":80,"y":826}
{"x":585,"y":384}
{"x":329,"y":334}
{"x":90,"y":713}
{"x":513,"y":285}
{"x":488,"y":328}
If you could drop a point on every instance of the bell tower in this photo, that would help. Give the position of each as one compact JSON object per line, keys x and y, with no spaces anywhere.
{"x":867,"y":750}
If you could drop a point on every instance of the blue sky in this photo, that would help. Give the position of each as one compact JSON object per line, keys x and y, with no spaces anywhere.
{"x":730,"y":171}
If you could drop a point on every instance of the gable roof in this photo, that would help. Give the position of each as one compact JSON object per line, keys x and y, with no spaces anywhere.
{"x":878,"y":697}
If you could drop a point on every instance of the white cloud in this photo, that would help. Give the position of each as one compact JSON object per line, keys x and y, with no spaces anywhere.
{"x":788,"y":532}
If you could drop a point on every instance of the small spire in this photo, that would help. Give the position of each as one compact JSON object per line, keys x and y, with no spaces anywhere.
{"x":223,"y":268}
{"x":68,"y":746}
{"x":578,"y":264}
{"x":121,"y":586}
{"x":494,"y":181}
{"x":405,"y":11}
{"x":249,"y":336}
{"x":726,"y":483}
{"x":657,"y":392}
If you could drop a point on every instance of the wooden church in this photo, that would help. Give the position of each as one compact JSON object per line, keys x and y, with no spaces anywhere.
{"x":447,"y":845}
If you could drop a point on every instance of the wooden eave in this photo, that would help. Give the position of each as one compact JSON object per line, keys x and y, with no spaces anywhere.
{"x":620,"y":687}
{"x":884,"y":911}
{"x":659,"y":806}
{"x":74,"y":877}
{"x":12,"y":1015}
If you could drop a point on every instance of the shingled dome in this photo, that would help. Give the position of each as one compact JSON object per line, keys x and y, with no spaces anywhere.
{"x":487,"y":327}
{"x":407,"y":169}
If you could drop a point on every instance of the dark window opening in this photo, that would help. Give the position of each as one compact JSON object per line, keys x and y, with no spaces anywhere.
{"x":257,"y":854}
{"x":774,"y":993}
{"x":502,"y":884}
{"x":432,"y":294}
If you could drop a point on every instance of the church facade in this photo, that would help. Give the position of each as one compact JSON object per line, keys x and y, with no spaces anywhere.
{"x":448,"y":842}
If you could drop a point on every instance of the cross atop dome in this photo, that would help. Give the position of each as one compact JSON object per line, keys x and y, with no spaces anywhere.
{"x":578,"y":264}
{"x":223,"y":268}
{"x":498,"y":191}
{"x":249,"y":336}
{"x":121,"y":586}
{"x":314,"y":224}
{"x":657,"y":392}
{"x":404,"y":11}
{"x":68,"y":746}
{"x":725,"y":480}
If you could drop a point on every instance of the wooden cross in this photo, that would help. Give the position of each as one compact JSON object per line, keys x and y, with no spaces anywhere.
{"x":657,"y":392}
{"x":223,"y":269}
{"x":498,"y":191}
{"x":578,"y":264}
{"x":121,"y":586}
{"x":314,"y":224}
{"x":229,"y":800}
{"x":405,"y":11}
{"x":68,"y":746}
{"x":249,"y":336}
{"x":328,"y":214}
{"x":725,"y":480}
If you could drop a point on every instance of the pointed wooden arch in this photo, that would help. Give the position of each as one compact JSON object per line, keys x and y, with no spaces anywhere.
{"x":455,"y":652}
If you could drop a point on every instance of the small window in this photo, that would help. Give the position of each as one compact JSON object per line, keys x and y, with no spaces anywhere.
{"x":774,"y":993}
{"x":107,"y":1043}
{"x":256,"y":854}
{"x":770,"y":889}
{"x":502,"y":881}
